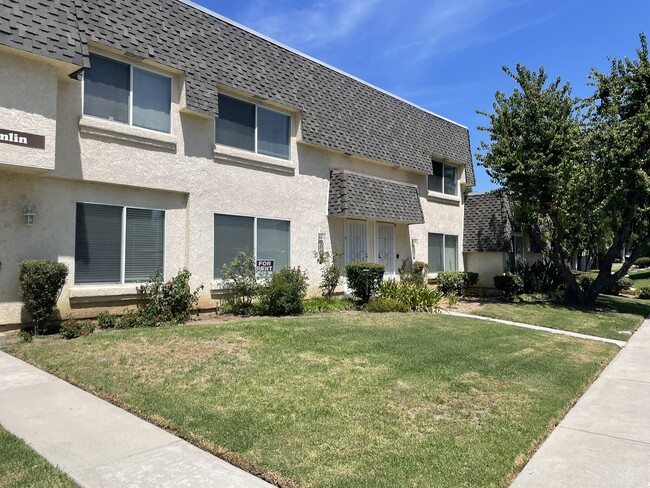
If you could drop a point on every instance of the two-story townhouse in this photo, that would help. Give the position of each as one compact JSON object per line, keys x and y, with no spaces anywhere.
{"x":138,"y":136}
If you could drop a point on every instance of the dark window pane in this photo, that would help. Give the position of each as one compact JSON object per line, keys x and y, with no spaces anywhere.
{"x":236,"y":123}
{"x":436,"y":253}
{"x":106,"y":89}
{"x":273,"y":242}
{"x":450,"y":180}
{"x":232,"y":234}
{"x":435,"y":180}
{"x":145,"y":238}
{"x":451,"y":253}
{"x":98,"y":242}
{"x":151,"y":100}
{"x":273,"y":133}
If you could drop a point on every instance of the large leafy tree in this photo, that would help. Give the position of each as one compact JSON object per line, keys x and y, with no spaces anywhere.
{"x":577,"y":171}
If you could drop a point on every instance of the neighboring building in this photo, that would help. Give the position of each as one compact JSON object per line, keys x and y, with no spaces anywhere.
{"x":111,"y":161}
{"x":492,"y":244}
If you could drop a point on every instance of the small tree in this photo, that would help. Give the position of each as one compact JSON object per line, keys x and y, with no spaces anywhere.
{"x":331,"y":272}
{"x":240,"y":278}
{"x":41,"y":282}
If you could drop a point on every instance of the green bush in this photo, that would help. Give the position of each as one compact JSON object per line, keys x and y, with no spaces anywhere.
{"x":26,"y":336}
{"x":285,"y":293}
{"x":642,"y":262}
{"x":106,"y":320}
{"x":242,"y":309}
{"x":644,"y":293}
{"x":324,"y":304}
{"x":73,"y":328}
{"x":510,"y":285}
{"x":415,"y":272}
{"x":458,"y":282}
{"x":130,"y":319}
{"x":41,"y":282}
{"x":417,"y":297}
{"x":167,"y":302}
{"x":331,"y":272}
{"x":239,"y":278}
{"x":383,"y":305}
{"x":585,"y":279}
{"x":364,"y":279}
{"x":548,"y":276}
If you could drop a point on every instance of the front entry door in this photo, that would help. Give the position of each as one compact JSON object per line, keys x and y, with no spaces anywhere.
{"x":356,"y":242}
{"x":386,"y":248}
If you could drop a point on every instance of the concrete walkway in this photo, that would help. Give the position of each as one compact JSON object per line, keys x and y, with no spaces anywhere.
{"x":98,"y":444}
{"x":604,"y":441}
{"x":540,"y":328}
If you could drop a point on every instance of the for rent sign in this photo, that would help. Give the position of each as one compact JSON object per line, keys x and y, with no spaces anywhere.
{"x":265,"y":265}
{"x":8,"y":136}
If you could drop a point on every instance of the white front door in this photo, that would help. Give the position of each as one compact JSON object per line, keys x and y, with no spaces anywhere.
{"x":356,"y":242}
{"x":386,"y":248}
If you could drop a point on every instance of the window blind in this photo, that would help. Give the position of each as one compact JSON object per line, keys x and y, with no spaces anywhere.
{"x":106,"y":89}
{"x":451,"y":253}
{"x":232,"y":234}
{"x":98,"y":242}
{"x":273,"y":133}
{"x":235,"y":125}
{"x":436,"y":252}
{"x":144,"y":244}
{"x":273,"y":241}
{"x":151,"y":100}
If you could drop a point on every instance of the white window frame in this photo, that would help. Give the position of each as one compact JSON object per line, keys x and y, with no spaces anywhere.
{"x":456,"y":180}
{"x":444,"y":252}
{"x":122,"y":242}
{"x":130,"y":122}
{"x":255,"y":218}
{"x":265,"y":107}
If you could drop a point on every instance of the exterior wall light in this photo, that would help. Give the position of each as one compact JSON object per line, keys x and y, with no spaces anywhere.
{"x":321,"y":241}
{"x":29,"y":214}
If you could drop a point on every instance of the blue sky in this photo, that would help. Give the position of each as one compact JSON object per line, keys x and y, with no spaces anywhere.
{"x":446,"y":55}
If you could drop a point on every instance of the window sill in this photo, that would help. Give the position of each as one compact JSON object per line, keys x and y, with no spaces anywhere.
{"x":230,"y":155}
{"x":87,"y":294}
{"x":108,"y":129}
{"x":442,"y":198}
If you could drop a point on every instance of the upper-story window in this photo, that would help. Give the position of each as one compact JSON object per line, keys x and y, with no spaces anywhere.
{"x":444,"y":179}
{"x":124,"y":93}
{"x":253,"y":128}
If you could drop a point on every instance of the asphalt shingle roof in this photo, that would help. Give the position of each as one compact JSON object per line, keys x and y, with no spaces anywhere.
{"x":338,"y":111}
{"x":354,"y":195}
{"x":488,"y":223}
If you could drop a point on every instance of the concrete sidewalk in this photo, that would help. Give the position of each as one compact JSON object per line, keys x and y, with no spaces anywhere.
{"x":98,"y":444}
{"x":604,"y":441}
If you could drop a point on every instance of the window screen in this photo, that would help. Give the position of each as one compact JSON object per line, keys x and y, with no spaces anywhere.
{"x":235,"y":125}
{"x":98,"y":242}
{"x":451,"y":253}
{"x":436,"y":252}
{"x":106,"y":89}
{"x":273,"y":241}
{"x":232,"y":234}
{"x":145,"y":237}
{"x":151,"y":100}
{"x":273,"y":133}
{"x":435,"y":179}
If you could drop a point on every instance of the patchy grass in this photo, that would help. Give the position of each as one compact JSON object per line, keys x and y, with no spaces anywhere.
{"x":640,"y":278}
{"x":611,"y":315}
{"x":344,"y":400}
{"x":20,"y":466}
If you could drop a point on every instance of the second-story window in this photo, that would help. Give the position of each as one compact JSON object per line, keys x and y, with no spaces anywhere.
{"x":253,"y":128}
{"x":443,"y":179}
{"x":124,"y":93}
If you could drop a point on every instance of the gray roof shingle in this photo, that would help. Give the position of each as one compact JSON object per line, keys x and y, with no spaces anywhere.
{"x":354,"y":195}
{"x":488,"y":223}
{"x":338,"y":111}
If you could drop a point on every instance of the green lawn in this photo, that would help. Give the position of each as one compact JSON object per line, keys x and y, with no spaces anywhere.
{"x":640,"y":277}
{"x":611,"y":315}
{"x":20,"y":466}
{"x":344,"y":400}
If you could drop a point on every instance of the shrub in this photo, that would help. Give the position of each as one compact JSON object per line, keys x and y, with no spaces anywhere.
{"x":383,"y":305}
{"x":331,"y":272}
{"x":239,"y":277}
{"x":548,"y":276}
{"x":106,"y":320}
{"x":585,"y":279}
{"x":25,"y":336}
{"x":41,"y":283}
{"x":324,"y":304}
{"x":168,"y":302}
{"x":456,"y":282}
{"x":285,"y":293}
{"x":129,"y":320}
{"x":452,"y":300}
{"x":415,"y":272}
{"x":364,"y":279}
{"x":644,"y":293}
{"x":510,"y":285}
{"x":642,"y":262}
{"x":73,"y":328}
{"x":418,"y":298}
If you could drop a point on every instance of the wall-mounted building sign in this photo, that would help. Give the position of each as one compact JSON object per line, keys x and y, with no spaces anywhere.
{"x":25,"y":139}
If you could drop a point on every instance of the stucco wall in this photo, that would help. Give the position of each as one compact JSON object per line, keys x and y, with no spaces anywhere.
{"x":103,"y":161}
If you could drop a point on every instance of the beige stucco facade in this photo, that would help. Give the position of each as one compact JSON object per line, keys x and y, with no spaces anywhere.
{"x":88,"y":159}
